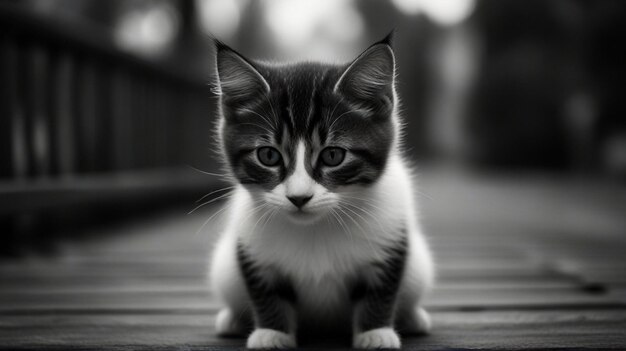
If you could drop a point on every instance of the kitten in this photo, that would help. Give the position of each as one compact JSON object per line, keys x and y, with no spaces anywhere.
{"x":322,"y":231}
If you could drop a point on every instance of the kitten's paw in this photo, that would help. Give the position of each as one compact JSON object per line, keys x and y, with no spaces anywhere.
{"x":227,"y":324}
{"x":381,"y":338}
{"x":270,"y":339}
{"x":416,"y":322}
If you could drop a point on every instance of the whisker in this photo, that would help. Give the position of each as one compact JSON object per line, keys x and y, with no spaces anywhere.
{"x":273,"y":111}
{"x":270,"y":132}
{"x":273,"y":212}
{"x":331,"y":115}
{"x":253,"y":211}
{"x":367,"y":201}
{"x":368,"y":213}
{"x":215,"y":191}
{"x":346,"y":224}
{"x":342,"y":224}
{"x":208,"y":173}
{"x":260,"y":217}
{"x":339,"y":117}
{"x":210,"y":218}
{"x":367,"y":238}
{"x":424,"y":195}
{"x":264,"y":118}
{"x":210,"y":201}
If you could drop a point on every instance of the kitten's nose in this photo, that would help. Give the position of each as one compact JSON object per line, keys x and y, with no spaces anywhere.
{"x":299,"y":201}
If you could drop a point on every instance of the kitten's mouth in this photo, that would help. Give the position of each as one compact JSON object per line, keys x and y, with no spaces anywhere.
{"x":301,"y":213}
{"x":302,"y":216}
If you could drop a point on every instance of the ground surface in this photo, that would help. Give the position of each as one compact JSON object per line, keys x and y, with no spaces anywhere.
{"x":525,"y":263}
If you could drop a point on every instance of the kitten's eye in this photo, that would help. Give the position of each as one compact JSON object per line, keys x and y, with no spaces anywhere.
{"x":268,"y":156}
{"x":333,"y":156}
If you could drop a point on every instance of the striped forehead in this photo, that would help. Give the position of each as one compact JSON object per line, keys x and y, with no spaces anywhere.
{"x":297,"y":92}
{"x":301,"y":100}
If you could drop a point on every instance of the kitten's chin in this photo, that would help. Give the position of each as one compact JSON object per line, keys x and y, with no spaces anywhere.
{"x":303,"y":217}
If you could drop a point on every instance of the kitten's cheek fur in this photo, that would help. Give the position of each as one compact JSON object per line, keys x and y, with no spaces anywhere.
{"x":270,"y":339}
{"x":381,"y":338}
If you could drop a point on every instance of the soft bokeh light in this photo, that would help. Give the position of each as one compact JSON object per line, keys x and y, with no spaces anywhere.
{"x":220,"y":17}
{"x":149,"y":30}
{"x":442,"y":12}
{"x":312,"y":28}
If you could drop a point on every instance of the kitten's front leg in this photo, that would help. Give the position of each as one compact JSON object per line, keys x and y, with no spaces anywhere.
{"x":373,"y":321}
{"x":376,"y":303}
{"x":271,"y":300}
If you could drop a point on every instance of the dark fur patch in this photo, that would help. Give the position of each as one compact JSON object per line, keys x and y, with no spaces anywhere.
{"x":378,"y":300}
{"x":269,"y":298}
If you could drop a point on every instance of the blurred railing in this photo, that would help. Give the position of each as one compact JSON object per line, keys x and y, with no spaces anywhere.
{"x":83,"y":123}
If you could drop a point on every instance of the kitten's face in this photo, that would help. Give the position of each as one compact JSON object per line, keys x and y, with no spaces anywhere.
{"x":301,"y":136}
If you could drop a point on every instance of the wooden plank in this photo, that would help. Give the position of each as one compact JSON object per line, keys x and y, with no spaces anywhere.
{"x":198,"y":298}
{"x":139,"y":284}
{"x":200,"y":268}
{"x":184,"y":284}
{"x":493,"y":330}
{"x":441,"y":319}
{"x":198,"y":272}
{"x":106,"y":287}
{"x":44,"y":284}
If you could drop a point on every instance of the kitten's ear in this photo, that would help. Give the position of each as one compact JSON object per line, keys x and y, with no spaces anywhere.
{"x":239,"y":81}
{"x":369,"y":79}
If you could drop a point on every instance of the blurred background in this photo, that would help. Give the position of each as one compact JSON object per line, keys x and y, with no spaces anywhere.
{"x":107,"y":111}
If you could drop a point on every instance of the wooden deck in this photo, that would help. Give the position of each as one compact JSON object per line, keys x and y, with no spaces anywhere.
{"x":526,"y":263}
